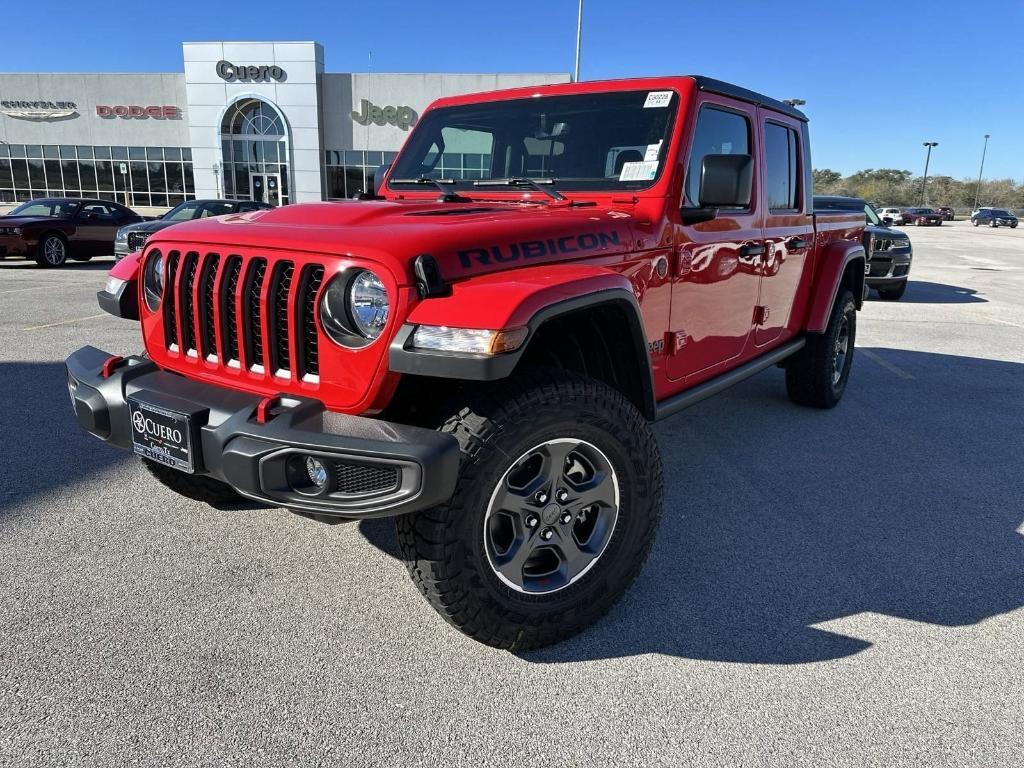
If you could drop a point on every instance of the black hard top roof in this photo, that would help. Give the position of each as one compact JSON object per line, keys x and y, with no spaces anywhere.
{"x":742,"y":94}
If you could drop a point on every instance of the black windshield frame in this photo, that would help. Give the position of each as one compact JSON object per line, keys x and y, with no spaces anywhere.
{"x":569,"y":120}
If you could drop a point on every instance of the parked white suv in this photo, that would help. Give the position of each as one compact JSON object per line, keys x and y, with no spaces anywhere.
{"x":891,"y":213}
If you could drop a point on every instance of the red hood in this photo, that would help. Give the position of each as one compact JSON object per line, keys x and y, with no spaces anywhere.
{"x":465,"y":238}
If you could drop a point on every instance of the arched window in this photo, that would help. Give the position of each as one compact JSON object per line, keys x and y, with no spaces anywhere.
{"x":252,"y":117}
{"x":254,"y":141}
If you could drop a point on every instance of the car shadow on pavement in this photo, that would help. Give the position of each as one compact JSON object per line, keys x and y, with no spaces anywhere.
{"x":43,"y":447}
{"x":99,"y":263}
{"x":922,"y":292}
{"x":904,"y":501}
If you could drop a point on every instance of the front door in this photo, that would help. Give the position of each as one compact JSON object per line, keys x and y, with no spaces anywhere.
{"x":265,"y":188}
{"x":717,"y":278}
{"x":96,"y":226}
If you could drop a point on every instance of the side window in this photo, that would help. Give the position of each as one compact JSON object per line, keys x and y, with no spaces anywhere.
{"x":98,"y":209}
{"x":718,"y":132}
{"x":781,"y":167}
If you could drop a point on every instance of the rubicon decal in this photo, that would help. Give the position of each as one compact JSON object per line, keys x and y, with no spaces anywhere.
{"x":533,"y":249}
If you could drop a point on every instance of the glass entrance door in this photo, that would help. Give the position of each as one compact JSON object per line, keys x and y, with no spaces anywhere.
{"x":265,"y":188}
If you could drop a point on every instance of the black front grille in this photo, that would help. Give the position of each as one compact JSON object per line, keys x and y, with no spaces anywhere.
{"x":170,"y":305}
{"x":136,"y":240}
{"x":188,"y":318}
{"x":879,"y":266}
{"x":229,"y":308}
{"x":282,"y":284}
{"x":358,"y":479}
{"x":208,"y":282}
{"x":309,"y":351}
{"x":253,"y":319}
{"x":222,"y":309}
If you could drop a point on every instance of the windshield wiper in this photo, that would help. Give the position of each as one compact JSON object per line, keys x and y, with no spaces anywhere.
{"x":447,"y":195}
{"x":522,"y":181}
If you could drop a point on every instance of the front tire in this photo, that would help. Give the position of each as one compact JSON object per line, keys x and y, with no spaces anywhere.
{"x":195,"y":487}
{"x":52,"y":251}
{"x":556,"y":507}
{"x":816,"y":376}
{"x":974,"y":222}
{"x":993,"y":223}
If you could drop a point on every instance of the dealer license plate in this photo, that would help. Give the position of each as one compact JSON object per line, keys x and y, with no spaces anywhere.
{"x":162,"y":435}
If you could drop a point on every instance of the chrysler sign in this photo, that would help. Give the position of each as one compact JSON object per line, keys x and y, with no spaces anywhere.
{"x":39,"y":110}
{"x":251,"y":73}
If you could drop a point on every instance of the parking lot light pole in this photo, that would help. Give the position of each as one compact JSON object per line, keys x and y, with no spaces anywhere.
{"x":579,"y":39}
{"x":924,"y":182}
{"x":977,"y":191}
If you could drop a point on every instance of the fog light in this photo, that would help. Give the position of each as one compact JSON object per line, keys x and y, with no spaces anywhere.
{"x":317,"y":472}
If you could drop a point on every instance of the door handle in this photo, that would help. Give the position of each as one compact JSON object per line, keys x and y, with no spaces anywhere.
{"x":753,"y":249}
{"x":797,"y":244}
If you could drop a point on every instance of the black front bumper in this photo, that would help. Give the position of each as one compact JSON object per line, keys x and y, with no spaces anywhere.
{"x":258,"y":460}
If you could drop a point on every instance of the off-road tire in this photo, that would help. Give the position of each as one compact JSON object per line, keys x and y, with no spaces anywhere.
{"x":444,"y":547}
{"x":893,"y":294}
{"x":40,"y":256}
{"x":810,"y":372}
{"x":195,"y":487}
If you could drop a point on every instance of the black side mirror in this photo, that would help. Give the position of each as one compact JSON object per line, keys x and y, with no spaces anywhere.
{"x":726,"y":181}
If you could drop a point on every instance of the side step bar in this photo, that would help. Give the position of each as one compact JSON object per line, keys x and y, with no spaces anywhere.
{"x":683,"y":400}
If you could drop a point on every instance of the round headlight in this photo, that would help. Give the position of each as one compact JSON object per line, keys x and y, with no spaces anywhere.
{"x":354,"y":308}
{"x":368,"y":301}
{"x":153,"y":280}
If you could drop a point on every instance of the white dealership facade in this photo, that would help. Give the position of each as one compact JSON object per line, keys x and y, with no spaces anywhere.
{"x":256,"y":120}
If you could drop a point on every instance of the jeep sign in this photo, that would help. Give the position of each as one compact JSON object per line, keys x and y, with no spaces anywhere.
{"x":401,"y":117}
{"x":249,"y":73}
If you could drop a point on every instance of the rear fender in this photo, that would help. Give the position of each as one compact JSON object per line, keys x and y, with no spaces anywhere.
{"x":837,"y":258}
{"x":520,"y":298}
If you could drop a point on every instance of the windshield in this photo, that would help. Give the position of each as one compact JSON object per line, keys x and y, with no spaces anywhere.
{"x":46,"y":208}
{"x":183,"y":212}
{"x":872,"y":217}
{"x":601,"y":141}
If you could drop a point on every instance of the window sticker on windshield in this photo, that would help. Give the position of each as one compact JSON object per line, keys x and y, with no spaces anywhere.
{"x":653,"y":150}
{"x":644,"y":171}
{"x":658,"y":99}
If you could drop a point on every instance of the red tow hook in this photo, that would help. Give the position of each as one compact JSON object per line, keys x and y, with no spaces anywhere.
{"x":263,"y":414}
{"x":110,"y":365}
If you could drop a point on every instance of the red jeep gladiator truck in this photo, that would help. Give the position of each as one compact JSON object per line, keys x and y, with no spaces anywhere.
{"x":479,"y":347}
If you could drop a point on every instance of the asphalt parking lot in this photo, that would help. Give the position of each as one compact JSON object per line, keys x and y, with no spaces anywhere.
{"x":827,"y":588}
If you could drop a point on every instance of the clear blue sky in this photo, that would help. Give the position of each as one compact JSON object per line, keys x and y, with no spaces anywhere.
{"x":879,"y":78}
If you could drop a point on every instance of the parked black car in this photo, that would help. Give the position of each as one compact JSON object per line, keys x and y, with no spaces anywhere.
{"x":134,"y":236}
{"x":994,"y":217}
{"x":889,"y":251}
{"x":52,"y":230}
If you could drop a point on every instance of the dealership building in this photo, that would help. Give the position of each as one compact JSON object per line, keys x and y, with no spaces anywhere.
{"x":244,"y":120}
